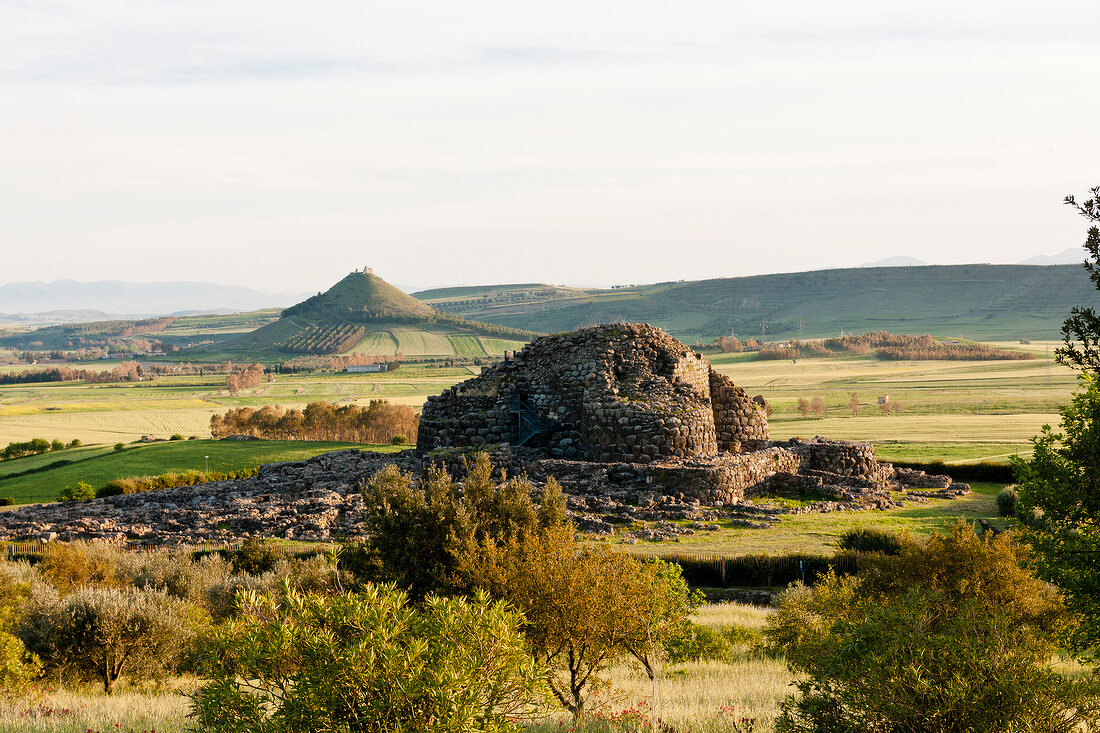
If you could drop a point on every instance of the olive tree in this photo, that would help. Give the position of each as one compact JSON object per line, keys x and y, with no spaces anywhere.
{"x":105,"y":633}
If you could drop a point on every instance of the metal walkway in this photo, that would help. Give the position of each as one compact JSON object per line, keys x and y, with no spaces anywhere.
{"x":528,"y":422}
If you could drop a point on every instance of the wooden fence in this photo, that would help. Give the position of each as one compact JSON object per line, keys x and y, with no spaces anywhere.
{"x":717,"y":571}
{"x":14,"y":550}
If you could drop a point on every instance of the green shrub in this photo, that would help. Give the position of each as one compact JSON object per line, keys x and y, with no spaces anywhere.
{"x":865,"y":539}
{"x":255,"y":557}
{"x":176,"y":436}
{"x":399,"y":440}
{"x":7,"y":500}
{"x":192,"y":437}
{"x":1006,"y":502}
{"x":695,"y":643}
{"x":81,"y":492}
{"x":368,"y":663}
{"x":119,"y":447}
{"x":75,"y":443}
{"x":56,"y":445}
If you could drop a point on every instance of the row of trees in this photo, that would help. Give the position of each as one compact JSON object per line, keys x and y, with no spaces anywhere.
{"x":378,"y":422}
{"x":817,"y":407}
{"x":127,"y":371}
{"x":889,"y":346}
{"x":34,"y":447}
{"x":324,"y":339}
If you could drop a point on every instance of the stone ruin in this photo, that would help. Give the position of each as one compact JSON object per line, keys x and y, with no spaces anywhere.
{"x":628,"y":412}
{"x":618,"y":393}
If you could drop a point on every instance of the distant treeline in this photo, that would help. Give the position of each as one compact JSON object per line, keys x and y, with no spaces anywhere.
{"x":34,"y":447}
{"x":127,"y":371}
{"x":378,"y":422}
{"x":338,"y":363}
{"x":889,"y":346}
{"x":87,"y":335}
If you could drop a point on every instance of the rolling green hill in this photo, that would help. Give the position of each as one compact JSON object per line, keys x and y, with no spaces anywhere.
{"x":979,"y":301}
{"x":364,"y":314}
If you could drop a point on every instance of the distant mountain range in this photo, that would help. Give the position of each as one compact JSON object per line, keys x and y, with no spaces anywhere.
{"x":1071,"y":256}
{"x":896,"y":261}
{"x":112,"y":298}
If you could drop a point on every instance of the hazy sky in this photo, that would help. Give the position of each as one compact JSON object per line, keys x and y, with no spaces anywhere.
{"x":281,"y":144}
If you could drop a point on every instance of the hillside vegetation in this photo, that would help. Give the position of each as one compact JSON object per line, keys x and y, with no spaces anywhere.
{"x":981,"y":301}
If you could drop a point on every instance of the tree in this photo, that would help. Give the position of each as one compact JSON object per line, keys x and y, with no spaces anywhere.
{"x":1059,"y":497}
{"x":584,"y":607}
{"x":804,"y":406}
{"x":853,"y":404}
{"x":103,"y":633}
{"x":948,"y":635}
{"x":817,"y":406}
{"x":1059,"y":486}
{"x":368,"y":662}
{"x":1081,"y":331}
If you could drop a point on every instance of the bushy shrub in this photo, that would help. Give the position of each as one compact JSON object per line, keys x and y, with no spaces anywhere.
{"x":1006,"y":502}
{"x":70,"y":566}
{"x":169,"y":480}
{"x":951,"y":634}
{"x":176,"y":436}
{"x":81,"y":492}
{"x":7,"y":500}
{"x":255,"y":557}
{"x":368,"y":662}
{"x":119,"y":447}
{"x":399,"y":440}
{"x":866,"y":539}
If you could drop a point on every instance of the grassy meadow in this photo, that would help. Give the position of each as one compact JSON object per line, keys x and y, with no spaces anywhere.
{"x":694,"y":696}
{"x":97,"y":465}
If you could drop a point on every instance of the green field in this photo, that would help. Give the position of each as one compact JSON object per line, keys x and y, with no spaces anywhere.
{"x":955,"y":411}
{"x":422,"y":343}
{"x":467,"y":345}
{"x":818,"y":533}
{"x":376,"y":342}
{"x":97,"y":466}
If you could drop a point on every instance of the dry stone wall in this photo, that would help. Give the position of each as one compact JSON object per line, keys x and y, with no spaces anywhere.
{"x":739,"y":422}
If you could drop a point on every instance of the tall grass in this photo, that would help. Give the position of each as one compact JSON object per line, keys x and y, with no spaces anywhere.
{"x":60,"y":710}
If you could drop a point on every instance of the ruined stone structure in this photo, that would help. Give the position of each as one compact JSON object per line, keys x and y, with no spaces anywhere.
{"x":630,"y":408}
{"x":617,"y":393}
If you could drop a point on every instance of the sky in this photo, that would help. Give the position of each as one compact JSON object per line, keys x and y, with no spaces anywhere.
{"x":279,"y":145}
